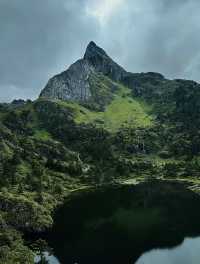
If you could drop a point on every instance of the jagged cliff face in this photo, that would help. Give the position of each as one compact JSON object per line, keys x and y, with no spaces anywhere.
{"x":70,"y":85}
{"x":74,"y":84}
{"x":101,"y":62}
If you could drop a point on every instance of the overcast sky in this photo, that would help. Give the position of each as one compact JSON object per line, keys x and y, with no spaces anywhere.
{"x":39,"y":38}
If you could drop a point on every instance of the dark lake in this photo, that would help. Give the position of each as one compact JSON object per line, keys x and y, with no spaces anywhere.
{"x":187,"y":252}
{"x":150,"y":223}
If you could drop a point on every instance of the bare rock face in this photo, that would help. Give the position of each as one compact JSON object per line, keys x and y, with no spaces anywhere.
{"x":98,"y":58}
{"x":73,"y":84}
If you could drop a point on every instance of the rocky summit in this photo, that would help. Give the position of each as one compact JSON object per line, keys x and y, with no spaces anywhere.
{"x":75,"y":83}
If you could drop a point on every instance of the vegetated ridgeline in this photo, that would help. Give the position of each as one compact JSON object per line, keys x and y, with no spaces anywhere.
{"x":93,"y":124}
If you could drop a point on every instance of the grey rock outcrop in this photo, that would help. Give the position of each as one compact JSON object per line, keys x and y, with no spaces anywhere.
{"x":98,"y":58}
{"x":73,"y":84}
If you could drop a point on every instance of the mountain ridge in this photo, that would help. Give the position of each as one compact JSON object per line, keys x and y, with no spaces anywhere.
{"x":74,"y":83}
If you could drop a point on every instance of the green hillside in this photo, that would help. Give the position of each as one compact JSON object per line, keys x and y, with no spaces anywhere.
{"x":122,"y":110}
{"x":50,"y":148}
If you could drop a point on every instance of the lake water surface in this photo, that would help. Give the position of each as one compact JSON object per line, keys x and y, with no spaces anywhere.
{"x":144,"y":224}
{"x":186,"y":253}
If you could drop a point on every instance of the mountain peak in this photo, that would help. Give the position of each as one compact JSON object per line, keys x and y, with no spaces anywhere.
{"x":101,"y":62}
{"x":91,"y":44}
{"x":93,"y":50}
{"x":75,"y":83}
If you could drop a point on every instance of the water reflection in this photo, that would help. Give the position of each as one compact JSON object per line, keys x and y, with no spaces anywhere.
{"x":49,"y":258}
{"x":119,"y":224}
{"x":187,"y":252}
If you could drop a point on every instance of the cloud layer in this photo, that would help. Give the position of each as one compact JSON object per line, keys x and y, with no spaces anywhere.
{"x":42,"y":38}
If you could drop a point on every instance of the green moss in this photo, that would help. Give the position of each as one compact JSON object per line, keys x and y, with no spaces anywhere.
{"x":42,"y":135}
{"x":5,"y":150}
{"x":23,"y":169}
{"x":30,"y":213}
{"x":12,"y":248}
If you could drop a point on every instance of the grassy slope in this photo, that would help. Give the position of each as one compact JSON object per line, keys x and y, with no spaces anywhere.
{"x":123,"y":110}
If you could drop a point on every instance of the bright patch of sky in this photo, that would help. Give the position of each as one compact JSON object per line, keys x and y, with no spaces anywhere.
{"x":103,"y":10}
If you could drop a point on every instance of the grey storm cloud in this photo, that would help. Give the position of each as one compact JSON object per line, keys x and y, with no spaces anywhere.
{"x":43,"y":37}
